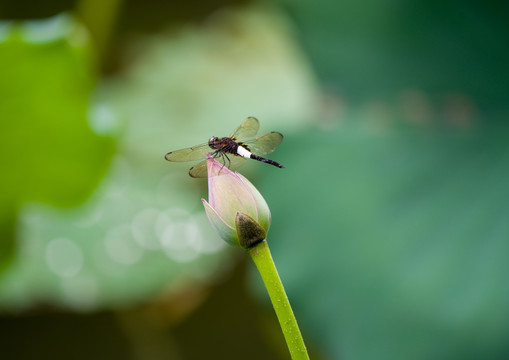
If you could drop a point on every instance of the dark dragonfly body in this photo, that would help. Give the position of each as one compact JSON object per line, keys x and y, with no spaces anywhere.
{"x":226,"y":145}
{"x":232,"y":150}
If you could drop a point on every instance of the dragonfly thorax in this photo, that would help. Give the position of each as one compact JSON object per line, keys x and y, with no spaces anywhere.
{"x":225,"y":144}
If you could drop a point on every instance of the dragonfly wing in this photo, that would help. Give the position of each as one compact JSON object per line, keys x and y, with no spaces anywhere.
{"x":264,"y":144}
{"x":248,"y":128}
{"x":189,"y":154}
{"x":200,"y":169}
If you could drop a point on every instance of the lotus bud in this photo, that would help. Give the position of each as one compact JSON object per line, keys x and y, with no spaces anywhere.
{"x":236,"y":209}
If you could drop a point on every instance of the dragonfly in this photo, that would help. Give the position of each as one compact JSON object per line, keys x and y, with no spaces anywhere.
{"x":232,"y":150}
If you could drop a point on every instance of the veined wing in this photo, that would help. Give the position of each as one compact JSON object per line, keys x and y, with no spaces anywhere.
{"x":264,"y":144}
{"x":200,"y":169}
{"x":197,"y":152}
{"x":248,"y":128}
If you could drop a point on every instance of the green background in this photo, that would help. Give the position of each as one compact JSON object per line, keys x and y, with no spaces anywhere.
{"x":389,"y":223}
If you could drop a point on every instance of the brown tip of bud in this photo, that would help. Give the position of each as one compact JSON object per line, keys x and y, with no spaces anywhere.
{"x":249,"y":231}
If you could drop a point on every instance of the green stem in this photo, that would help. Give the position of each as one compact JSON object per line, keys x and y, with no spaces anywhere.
{"x":260,"y":254}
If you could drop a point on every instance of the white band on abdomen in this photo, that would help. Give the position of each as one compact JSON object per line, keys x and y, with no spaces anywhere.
{"x":243,"y":152}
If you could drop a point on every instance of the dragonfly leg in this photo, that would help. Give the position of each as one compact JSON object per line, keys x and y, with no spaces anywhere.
{"x":229,"y":162}
{"x":223,"y":156}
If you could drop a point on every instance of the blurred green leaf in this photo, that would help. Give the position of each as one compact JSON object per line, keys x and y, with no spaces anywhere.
{"x":392,"y":242}
{"x":378,"y":48}
{"x":55,"y":156}
{"x":50,"y":154}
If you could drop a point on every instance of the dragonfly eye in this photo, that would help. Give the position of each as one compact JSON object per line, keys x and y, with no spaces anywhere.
{"x":213,"y":139}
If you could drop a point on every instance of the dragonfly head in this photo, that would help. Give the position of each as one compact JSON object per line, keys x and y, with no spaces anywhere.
{"x":213,"y":140}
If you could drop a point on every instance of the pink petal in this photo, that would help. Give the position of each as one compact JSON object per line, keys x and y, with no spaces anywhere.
{"x":228,"y":193}
{"x":226,"y":232}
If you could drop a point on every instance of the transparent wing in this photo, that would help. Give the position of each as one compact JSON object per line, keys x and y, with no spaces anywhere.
{"x":200,"y":169}
{"x":264,"y":144}
{"x":197,"y":152}
{"x":247,"y":129}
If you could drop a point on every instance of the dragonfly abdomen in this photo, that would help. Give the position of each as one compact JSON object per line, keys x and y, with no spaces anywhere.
{"x":242,"y":151}
{"x":267,"y":161}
